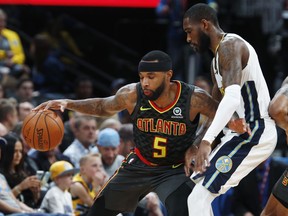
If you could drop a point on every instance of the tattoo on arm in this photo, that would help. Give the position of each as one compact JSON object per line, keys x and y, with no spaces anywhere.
{"x":230,"y":62}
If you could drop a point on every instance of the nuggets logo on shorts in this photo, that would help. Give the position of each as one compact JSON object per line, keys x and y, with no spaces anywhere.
{"x":285,"y":181}
{"x":224,"y":164}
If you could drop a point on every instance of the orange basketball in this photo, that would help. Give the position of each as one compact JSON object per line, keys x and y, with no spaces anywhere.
{"x":43,"y":130}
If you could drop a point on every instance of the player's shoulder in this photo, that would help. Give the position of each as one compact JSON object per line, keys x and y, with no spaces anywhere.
{"x":129,"y":88}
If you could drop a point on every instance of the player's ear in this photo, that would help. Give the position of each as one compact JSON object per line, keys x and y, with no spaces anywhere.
{"x":204,"y":24}
{"x":170,"y":74}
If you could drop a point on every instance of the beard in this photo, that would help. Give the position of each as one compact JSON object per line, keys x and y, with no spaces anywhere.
{"x":156,"y":93}
{"x":204,"y":42}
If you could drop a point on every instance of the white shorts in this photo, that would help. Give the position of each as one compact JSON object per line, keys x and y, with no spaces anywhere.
{"x":237,"y":155}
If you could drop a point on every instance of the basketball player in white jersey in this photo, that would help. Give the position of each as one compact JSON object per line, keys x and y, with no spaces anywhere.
{"x":241,"y":89}
{"x":278,"y":200}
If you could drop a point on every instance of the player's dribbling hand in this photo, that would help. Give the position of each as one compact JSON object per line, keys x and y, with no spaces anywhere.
{"x":239,"y":125}
{"x":202,"y":157}
{"x":189,"y":158}
{"x":52,"y":104}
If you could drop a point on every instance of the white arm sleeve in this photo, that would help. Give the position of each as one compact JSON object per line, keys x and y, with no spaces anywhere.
{"x":226,"y":108}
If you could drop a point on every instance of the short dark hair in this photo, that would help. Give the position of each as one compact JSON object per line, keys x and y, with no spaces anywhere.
{"x":22,"y":81}
{"x":202,"y":11}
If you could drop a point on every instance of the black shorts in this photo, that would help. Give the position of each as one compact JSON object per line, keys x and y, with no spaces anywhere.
{"x":280,"y":190}
{"x":134,"y":180}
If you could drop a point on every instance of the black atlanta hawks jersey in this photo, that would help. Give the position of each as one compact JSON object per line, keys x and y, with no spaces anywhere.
{"x":162,"y":135}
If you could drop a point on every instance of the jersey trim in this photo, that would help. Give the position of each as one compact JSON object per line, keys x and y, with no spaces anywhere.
{"x":144,"y":160}
{"x":170,"y":106}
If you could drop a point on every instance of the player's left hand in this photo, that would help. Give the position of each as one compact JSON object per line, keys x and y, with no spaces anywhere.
{"x":239,"y":125}
{"x":202,"y":157}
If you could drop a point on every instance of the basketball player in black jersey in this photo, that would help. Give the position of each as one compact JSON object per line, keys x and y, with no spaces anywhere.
{"x":166,"y":115}
{"x":278,"y":200}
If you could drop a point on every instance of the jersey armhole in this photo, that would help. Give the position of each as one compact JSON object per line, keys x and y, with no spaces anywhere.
{"x":191,"y":123}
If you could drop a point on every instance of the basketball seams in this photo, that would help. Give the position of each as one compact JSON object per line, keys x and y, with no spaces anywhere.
{"x":24,"y":126}
{"x":54,"y":119}
{"x":35,"y":129}
{"x":48,"y":133}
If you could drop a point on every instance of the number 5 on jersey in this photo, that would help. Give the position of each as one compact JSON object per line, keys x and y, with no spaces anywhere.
{"x":160,"y":147}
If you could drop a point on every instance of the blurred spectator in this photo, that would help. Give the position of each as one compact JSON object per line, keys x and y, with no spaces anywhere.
{"x":58,"y":199}
{"x":26,"y":187}
{"x":8,"y":114}
{"x":2,"y":92}
{"x":85,"y":137}
{"x":24,"y":108}
{"x":69,"y":130}
{"x":12,"y":56}
{"x":204,"y":83}
{"x":123,"y":116}
{"x":117,"y":84}
{"x":45,"y":159}
{"x":172,"y":11}
{"x":3,"y":130}
{"x":8,"y":202}
{"x":48,"y":72}
{"x":110,"y":123}
{"x":108,"y":144}
{"x":252,"y":193}
{"x":61,"y":38}
{"x":87,"y":183}
{"x":126,"y":139}
{"x":83,"y":88}
{"x":25,"y":92}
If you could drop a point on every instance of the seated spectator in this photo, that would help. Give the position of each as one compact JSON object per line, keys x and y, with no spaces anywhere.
{"x":58,"y":199}
{"x":26,"y":187}
{"x":3,"y":130}
{"x":24,"y":108}
{"x":2,"y":92}
{"x":108,"y":144}
{"x":123,"y":116}
{"x":69,"y":130}
{"x":48,"y":72}
{"x":110,"y":123}
{"x":45,"y":159}
{"x":8,"y":114}
{"x":8,"y":202}
{"x":25,"y":92}
{"x":126,"y":139}
{"x":12,"y":56}
{"x":83,"y":88}
{"x":85,"y":137}
{"x":87,"y":183}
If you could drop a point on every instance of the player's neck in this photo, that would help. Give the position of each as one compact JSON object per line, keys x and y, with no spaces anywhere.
{"x":168,"y":95}
{"x":217,"y":37}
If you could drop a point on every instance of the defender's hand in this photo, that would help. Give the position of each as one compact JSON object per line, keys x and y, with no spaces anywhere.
{"x":202,"y":157}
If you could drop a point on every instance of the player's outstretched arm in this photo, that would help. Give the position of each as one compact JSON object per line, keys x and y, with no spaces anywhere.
{"x":125,"y":98}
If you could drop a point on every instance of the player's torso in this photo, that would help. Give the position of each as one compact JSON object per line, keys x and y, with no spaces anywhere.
{"x":255,"y":95}
{"x":163,"y":135}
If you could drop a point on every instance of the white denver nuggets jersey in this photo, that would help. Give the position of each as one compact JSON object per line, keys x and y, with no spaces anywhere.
{"x":254,"y":91}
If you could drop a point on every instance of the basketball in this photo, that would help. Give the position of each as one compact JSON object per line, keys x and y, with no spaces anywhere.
{"x":43,"y":130}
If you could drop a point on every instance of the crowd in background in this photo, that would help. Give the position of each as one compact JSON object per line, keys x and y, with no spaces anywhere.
{"x":92,"y":148}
